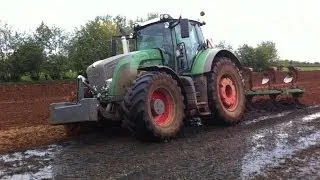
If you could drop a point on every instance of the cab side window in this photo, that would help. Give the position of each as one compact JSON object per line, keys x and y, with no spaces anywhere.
{"x":191,"y":43}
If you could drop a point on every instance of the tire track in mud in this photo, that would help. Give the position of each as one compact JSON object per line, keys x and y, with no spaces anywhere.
{"x":304,"y":164}
{"x":243,"y":151}
{"x":270,"y":145}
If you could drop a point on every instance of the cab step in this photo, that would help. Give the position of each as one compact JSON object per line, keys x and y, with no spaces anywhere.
{"x":203,"y":108}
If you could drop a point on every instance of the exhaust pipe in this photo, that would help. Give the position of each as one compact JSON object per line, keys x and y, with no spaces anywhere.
{"x":125,"y":46}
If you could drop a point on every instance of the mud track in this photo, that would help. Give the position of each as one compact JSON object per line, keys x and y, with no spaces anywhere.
{"x":266,"y":142}
{"x":25,"y":109}
{"x":272,"y":137}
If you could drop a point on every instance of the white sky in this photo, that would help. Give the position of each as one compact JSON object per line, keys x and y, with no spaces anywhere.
{"x":293,"y":25}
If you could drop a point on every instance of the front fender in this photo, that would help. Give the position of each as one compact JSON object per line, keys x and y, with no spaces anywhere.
{"x":126,"y":70}
{"x":205,"y":58}
{"x":165,"y":69}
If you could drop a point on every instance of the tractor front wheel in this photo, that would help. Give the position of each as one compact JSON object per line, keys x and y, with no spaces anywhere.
{"x":226,"y":91}
{"x":155,"y":107}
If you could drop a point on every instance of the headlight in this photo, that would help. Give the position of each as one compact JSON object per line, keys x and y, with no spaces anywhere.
{"x":109,"y":80}
{"x":108,"y":83}
{"x":104,"y":93}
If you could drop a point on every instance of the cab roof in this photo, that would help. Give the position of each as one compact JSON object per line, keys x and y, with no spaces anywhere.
{"x":161,"y":18}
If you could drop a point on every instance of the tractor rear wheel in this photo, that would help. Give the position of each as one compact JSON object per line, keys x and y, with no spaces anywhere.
{"x":155,"y":108}
{"x":226,"y":91}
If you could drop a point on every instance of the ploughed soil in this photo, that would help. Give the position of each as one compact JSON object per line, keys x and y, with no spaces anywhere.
{"x":25,"y":109}
{"x":25,"y":112}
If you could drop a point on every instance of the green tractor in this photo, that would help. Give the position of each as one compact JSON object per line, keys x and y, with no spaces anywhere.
{"x":174,"y":74}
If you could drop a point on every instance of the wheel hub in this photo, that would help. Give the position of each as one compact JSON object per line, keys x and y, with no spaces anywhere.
{"x":161,"y":105}
{"x":228,"y":93}
{"x":158,"y":106}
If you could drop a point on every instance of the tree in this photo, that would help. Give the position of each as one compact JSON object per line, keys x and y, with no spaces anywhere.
{"x":5,"y":50}
{"x":246,"y":55}
{"x":152,"y":16}
{"x":55,"y":66}
{"x":9,"y":42}
{"x":52,"y":51}
{"x":27,"y":59}
{"x":92,"y":42}
{"x":54,"y":41}
{"x":223,"y":45}
{"x":121,"y":21}
{"x":266,"y":54}
{"x":4,"y":70}
{"x":259,"y":58}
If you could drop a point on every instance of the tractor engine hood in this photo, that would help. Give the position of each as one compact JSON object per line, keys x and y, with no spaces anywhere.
{"x":102,"y":72}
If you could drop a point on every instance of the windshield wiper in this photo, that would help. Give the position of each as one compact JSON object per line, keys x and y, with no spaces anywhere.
{"x":200,"y":47}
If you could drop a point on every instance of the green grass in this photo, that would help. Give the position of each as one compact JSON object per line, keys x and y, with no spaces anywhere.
{"x":305,"y":68}
{"x":69,"y":75}
{"x":26,"y":79}
{"x":310,"y":68}
{"x":66,"y":77}
{"x":40,"y":82}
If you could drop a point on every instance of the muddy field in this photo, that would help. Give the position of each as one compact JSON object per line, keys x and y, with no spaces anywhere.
{"x":25,"y":109}
{"x":282,"y":142}
{"x":23,"y":125}
{"x":25,"y":112}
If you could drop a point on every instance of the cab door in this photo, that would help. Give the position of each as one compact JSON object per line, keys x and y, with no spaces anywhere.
{"x":190,"y":44}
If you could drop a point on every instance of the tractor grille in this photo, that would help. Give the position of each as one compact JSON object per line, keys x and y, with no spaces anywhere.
{"x":110,"y":67}
{"x":100,"y":72}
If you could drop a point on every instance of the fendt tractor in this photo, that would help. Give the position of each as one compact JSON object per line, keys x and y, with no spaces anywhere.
{"x":173,"y":74}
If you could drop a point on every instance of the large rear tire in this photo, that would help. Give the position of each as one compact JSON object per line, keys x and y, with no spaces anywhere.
{"x":155,"y":107}
{"x":226,"y":92}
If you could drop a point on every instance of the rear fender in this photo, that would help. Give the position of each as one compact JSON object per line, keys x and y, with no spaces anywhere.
{"x":204,"y":60}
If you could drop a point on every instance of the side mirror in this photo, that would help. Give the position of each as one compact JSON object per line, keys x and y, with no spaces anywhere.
{"x":113,"y":47}
{"x":184,"y":26}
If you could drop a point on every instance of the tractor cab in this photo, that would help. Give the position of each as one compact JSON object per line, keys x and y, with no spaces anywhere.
{"x":178,"y":39}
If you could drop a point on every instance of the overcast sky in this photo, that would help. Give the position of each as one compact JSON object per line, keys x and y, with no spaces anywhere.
{"x":293,"y":25}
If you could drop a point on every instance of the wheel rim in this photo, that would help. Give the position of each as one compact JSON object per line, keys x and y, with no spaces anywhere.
{"x":162,"y":107}
{"x":228,"y":92}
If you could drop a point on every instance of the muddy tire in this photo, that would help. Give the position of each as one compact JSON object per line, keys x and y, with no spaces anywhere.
{"x":226,"y":92}
{"x":155,"y":108}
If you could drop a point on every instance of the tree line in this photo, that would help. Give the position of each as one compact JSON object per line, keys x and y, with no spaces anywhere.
{"x":258,"y":58}
{"x":264,"y":55}
{"x":52,"y":53}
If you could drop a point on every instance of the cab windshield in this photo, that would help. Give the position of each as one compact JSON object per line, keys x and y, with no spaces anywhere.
{"x":154,"y":36}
